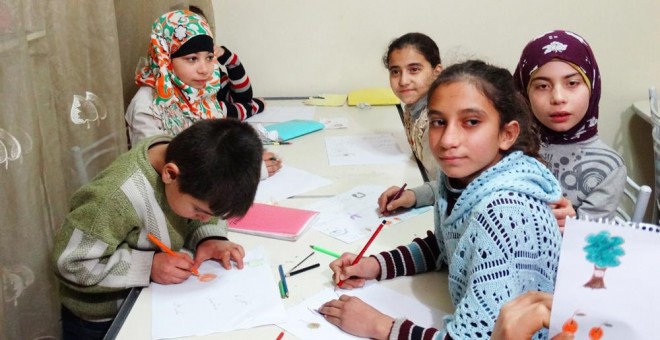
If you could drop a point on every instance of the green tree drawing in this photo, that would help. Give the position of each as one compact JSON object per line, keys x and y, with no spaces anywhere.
{"x":603,"y":251}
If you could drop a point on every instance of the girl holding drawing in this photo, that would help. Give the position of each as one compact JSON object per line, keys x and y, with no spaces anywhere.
{"x":413,"y":61}
{"x":179,"y":84}
{"x":559,"y":76}
{"x":497,"y":235}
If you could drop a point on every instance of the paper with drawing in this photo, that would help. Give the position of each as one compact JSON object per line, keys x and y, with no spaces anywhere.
{"x":304,"y":321}
{"x":353,"y":215}
{"x":366,"y":149}
{"x":234,"y":299}
{"x":606,"y":283}
{"x":287,"y":182}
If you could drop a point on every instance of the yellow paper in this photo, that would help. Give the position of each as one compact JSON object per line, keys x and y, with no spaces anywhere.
{"x":373,"y":96}
{"x":326,"y":99}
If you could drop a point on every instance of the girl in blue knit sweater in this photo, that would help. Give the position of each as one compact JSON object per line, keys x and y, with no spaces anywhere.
{"x":493,"y":226}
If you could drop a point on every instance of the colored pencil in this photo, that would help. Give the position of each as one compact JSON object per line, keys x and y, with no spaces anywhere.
{"x":325,"y":251}
{"x":283,"y":279}
{"x":301,"y":270}
{"x":364,"y":249}
{"x":299,"y":263}
{"x":167,"y":249}
{"x":280,"y":336}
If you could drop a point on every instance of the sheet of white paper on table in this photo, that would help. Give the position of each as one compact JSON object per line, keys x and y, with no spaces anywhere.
{"x":277,"y":114}
{"x":304,"y":322}
{"x":354,"y":215}
{"x":235,"y":299}
{"x":287,"y":182}
{"x":630,"y":301}
{"x":334,"y":123}
{"x":364,"y":149}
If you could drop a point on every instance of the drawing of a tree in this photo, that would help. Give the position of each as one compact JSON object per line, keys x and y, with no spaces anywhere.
{"x":603,"y":251}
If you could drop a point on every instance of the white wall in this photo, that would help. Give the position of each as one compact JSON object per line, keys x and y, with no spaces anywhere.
{"x":305,"y":47}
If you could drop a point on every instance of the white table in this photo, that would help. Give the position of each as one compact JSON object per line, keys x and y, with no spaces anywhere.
{"x":308,"y":153}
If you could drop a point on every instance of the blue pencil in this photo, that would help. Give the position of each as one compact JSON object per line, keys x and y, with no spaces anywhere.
{"x":283,"y":279}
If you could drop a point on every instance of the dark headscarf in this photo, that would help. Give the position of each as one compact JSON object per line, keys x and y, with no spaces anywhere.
{"x":572,"y":48}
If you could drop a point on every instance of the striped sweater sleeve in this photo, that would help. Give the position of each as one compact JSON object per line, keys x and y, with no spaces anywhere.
{"x":235,"y":95}
{"x":419,"y":256}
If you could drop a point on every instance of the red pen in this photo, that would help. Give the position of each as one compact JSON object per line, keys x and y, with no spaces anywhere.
{"x":396,"y":195}
{"x":364,"y":249}
{"x":280,"y":336}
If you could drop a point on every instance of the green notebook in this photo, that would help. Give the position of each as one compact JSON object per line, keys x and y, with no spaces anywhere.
{"x":294,"y":128}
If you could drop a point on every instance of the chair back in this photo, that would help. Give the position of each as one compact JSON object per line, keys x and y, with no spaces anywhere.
{"x":634,"y":202}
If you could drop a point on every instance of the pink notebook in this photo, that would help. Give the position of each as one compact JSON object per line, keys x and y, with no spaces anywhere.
{"x":273,"y":221}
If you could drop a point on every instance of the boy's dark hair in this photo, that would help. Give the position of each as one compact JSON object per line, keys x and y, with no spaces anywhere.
{"x":419,"y":41}
{"x":496,"y":84}
{"x":220,"y":163}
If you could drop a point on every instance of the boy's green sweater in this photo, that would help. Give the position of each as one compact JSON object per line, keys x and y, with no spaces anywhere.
{"x":102,"y":249}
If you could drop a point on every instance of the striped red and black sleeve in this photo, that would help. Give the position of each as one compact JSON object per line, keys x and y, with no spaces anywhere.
{"x":419,"y":256}
{"x":235,"y":95}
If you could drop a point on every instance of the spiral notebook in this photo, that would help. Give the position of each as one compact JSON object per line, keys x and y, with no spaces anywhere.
{"x":607,"y":281}
{"x":273,"y":221}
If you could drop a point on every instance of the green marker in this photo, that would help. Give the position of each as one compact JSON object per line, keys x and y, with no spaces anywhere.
{"x":325,"y":251}
{"x":282,"y":290}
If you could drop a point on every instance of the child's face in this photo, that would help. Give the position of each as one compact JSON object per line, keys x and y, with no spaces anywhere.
{"x":411,"y":74}
{"x":558,"y":95}
{"x":194,"y":69}
{"x":464,"y":132}
{"x":186,"y":205}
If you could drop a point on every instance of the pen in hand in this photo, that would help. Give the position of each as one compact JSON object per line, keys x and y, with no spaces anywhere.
{"x":167,"y":250}
{"x":395,"y":196}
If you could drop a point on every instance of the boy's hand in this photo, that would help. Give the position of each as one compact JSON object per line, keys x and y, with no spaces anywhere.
{"x":273,"y":163}
{"x":168,"y":269}
{"x":406,"y":200}
{"x":354,"y":276}
{"x":222,"y":251}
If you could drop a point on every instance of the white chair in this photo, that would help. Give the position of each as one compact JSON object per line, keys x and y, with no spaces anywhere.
{"x":634,"y":202}
{"x":655,"y":118}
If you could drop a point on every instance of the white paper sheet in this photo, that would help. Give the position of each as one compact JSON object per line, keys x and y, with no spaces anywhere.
{"x":366,"y":149}
{"x":235,"y":299}
{"x":276,"y":114}
{"x":629,"y":304}
{"x":353,"y":215}
{"x":305,"y":323}
{"x":287,"y":182}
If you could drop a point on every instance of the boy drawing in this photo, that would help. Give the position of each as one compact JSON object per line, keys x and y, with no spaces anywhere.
{"x":174,"y":188}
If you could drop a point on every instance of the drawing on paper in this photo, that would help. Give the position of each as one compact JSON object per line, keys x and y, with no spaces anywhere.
{"x":207,"y":277}
{"x":603,"y":251}
{"x":570,"y":327}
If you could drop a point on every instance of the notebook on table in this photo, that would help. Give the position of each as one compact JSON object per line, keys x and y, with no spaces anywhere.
{"x":294,"y":128}
{"x":273,"y":221}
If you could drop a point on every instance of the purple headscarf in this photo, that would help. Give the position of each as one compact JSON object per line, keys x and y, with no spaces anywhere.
{"x":570,"y":47}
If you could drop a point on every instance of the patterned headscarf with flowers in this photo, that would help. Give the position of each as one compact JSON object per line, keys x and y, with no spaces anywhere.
{"x":573,"y":49}
{"x":177,"y":104}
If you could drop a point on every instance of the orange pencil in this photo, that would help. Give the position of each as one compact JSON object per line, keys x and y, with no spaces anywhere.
{"x":364,"y":249}
{"x":167,"y":249}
